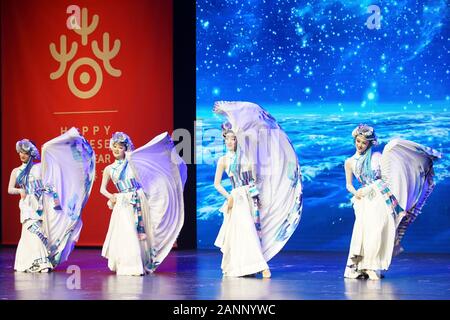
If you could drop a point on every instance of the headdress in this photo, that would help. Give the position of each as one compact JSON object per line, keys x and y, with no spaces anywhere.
{"x":367,"y":132}
{"x":27,"y":146}
{"x":226,"y":128}
{"x":122,"y":138}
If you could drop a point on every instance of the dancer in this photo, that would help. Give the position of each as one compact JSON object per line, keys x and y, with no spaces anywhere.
{"x":395,"y":186}
{"x":148,"y":210}
{"x":52,"y":193}
{"x":264,"y":206}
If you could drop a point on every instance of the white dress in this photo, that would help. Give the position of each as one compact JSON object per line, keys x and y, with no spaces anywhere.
{"x":238,"y":236}
{"x":401,"y":182}
{"x":32,"y":254}
{"x":126,"y":254}
{"x":374,"y":229}
{"x":149,"y":210}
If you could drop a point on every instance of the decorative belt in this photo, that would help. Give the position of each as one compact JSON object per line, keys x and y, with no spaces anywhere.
{"x":244,"y":179}
{"x":128,"y":185}
{"x":34,"y":187}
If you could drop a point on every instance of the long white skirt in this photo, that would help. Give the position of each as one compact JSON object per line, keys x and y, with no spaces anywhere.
{"x":31,"y":254}
{"x":373,"y":234}
{"x":238,"y":238}
{"x":126,"y":254}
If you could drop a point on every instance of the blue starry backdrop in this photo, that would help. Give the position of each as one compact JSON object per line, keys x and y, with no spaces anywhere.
{"x":321,"y":69}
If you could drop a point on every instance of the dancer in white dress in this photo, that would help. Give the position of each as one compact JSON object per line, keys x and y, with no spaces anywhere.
{"x":148,"y":210}
{"x":264,"y":207}
{"x":53,"y":193}
{"x":395,"y":186}
{"x":242,"y":254}
{"x":31,"y":254}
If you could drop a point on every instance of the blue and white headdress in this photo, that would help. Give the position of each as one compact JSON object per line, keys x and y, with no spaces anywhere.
{"x":226,"y":128}
{"x":364,"y":163}
{"x":27,"y":146}
{"x":122,"y":138}
{"x":367,"y":132}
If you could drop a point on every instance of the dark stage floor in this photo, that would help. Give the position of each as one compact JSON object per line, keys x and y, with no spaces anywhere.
{"x":196,"y":275}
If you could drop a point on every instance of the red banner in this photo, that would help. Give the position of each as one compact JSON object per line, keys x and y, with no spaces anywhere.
{"x":101,"y":66}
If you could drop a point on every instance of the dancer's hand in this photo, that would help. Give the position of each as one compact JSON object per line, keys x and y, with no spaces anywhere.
{"x":113,"y":199}
{"x":22,"y":194}
{"x":217,"y":104}
{"x":142,"y":236}
{"x":359,"y":194}
{"x":230,"y":202}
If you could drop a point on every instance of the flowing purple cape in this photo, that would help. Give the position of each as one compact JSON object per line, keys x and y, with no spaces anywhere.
{"x":162,"y":174}
{"x":407,"y":167}
{"x":68,"y":171}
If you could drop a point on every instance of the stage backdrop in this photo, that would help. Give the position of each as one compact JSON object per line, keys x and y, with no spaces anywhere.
{"x":320,"y":69}
{"x":101,"y":66}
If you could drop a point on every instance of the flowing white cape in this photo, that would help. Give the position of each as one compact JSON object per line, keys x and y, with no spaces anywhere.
{"x":68,"y":170}
{"x":162,"y":174}
{"x":278,"y":175}
{"x":407,"y":167}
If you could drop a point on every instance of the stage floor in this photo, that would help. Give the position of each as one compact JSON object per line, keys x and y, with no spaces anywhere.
{"x":195,"y":275}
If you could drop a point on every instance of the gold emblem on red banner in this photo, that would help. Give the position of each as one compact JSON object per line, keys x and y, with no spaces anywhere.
{"x":64,"y":57}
